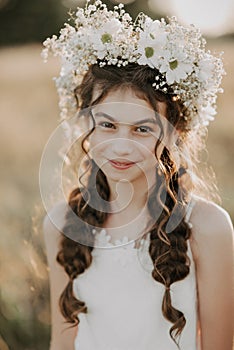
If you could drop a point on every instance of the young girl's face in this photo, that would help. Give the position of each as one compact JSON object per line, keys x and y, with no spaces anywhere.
{"x":124,"y":139}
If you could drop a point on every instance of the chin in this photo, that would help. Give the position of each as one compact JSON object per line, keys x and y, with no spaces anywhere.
{"x":129,"y":175}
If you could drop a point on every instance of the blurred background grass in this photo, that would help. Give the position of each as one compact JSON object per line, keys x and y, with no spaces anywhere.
{"x":29,"y":114}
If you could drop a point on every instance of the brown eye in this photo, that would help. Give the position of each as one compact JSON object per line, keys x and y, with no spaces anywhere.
{"x":144,"y":129}
{"x":106,"y":125}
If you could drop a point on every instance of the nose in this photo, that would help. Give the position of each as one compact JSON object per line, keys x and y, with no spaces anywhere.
{"x":122,"y":146}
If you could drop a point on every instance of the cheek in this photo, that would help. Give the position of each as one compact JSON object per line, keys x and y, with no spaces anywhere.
{"x":96,"y":146}
{"x":94,"y":141}
{"x":148,"y":151}
{"x":147,"y":147}
{"x":97,"y":138}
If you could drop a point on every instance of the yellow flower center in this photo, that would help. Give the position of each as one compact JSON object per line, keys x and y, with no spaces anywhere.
{"x":149,"y":52}
{"x":106,"y":38}
{"x":173,"y":64}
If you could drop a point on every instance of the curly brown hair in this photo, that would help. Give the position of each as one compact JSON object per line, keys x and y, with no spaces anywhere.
{"x":168,"y":251}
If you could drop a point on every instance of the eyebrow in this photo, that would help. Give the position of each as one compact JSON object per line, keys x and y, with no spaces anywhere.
{"x":147,"y":120}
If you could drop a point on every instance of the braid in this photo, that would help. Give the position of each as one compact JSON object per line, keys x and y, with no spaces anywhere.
{"x":74,"y":256}
{"x":169,"y":251}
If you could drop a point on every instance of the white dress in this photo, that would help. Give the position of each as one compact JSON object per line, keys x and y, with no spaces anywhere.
{"x":124,"y":301}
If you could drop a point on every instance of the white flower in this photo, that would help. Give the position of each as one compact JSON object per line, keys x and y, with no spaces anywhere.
{"x":105,"y":36}
{"x":112,"y":38}
{"x":175,"y":66}
{"x":102,"y":239}
{"x":206,"y":114}
{"x":155,"y":30}
{"x":151,"y":42}
{"x":122,"y":241}
{"x":149,"y":54}
{"x":205,"y":69}
{"x":67,"y":67}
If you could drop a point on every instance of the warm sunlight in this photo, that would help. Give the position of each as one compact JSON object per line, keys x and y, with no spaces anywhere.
{"x":212,"y":17}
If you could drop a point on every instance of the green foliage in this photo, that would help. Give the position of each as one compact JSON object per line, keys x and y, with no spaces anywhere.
{"x":20,"y":334}
{"x":24,"y":21}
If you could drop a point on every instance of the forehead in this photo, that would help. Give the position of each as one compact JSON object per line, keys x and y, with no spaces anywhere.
{"x":123,"y":104}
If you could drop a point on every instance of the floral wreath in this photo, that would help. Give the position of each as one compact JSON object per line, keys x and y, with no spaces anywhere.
{"x":104,"y":37}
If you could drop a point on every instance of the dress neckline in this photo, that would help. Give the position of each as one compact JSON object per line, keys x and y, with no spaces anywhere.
{"x":103,"y":239}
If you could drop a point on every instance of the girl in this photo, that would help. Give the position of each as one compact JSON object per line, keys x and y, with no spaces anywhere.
{"x":140,"y":257}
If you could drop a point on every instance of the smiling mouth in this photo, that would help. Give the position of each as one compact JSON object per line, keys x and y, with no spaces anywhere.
{"x":121,"y":164}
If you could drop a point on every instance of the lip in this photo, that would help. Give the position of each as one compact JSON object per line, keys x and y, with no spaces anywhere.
{"x":122,"y":165}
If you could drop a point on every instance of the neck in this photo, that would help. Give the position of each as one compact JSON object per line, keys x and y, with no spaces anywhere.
{"x":125,"y":196}
{"x":129,"y":198}
{"x":129,"y":212}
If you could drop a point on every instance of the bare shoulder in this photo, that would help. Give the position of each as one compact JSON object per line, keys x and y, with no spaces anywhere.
{"x":211,"y":226}
{"x":207,"y":214}
{"x":212,"y":248}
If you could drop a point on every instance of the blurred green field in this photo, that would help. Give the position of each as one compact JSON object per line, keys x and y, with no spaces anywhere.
{"x":29,"y":114}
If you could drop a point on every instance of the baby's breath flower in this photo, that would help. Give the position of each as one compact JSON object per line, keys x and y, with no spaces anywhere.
{"x":177,"y":54}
